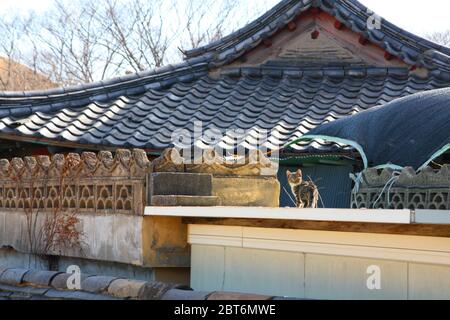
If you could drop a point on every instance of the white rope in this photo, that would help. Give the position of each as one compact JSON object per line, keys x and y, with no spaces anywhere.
{"x":357,"y":178}
{"x":388,"y":185}
{"x":294,"y":202}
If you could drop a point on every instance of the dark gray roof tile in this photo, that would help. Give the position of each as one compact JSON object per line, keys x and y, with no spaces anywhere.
{"x":288,"y":105}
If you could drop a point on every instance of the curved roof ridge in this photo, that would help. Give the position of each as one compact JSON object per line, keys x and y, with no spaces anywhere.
{"x":129,"y":84}
{"x":278,"y":9}
{"x":412,"y":49}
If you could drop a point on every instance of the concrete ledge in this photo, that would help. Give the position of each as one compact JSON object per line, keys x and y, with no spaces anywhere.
{"x":330,"y":215}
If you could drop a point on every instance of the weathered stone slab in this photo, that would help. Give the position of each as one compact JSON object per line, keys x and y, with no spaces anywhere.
{"x":237,"y":296}
{"x":13,"y":276}
{"x":60,"y":280}
{"x":176,"y":294}
{"x":185,"y":201}
{"x":40,"y":278}
{"x":165,"y":243}
{"x":185,"y":184}
{"x":97,"y":284}
{"x":247,"y":191}
{"x":125,"y":289}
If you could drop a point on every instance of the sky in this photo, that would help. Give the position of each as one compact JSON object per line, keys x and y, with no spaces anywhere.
{"x":408,"y":14}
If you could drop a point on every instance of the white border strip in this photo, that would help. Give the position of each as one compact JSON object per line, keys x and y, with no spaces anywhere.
{"x":432,"y":216}
{"x":337,"y":215}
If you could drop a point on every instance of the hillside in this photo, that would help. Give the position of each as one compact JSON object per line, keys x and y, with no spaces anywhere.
{"x":18,"y":77}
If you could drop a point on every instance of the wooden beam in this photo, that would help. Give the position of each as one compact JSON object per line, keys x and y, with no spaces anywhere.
{"x":267,"y":42}
{"x":388,"y":56}
{"x":65,"y":144}
{"x":315,"y":34}
{"x":338,"y":25}
{"x":363,"y":40}
{"x":292,"y":26}
{"x":357,"y":227}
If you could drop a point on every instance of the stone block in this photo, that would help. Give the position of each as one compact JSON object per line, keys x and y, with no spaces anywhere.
{"x":40,"y":278}
{"x":60,"y":280}
{"x":237,"y":296}
{"x":97,"y":284}
{"x":165,"y":243}
{"x":184,"y":184}
{"x":185,"y":201}
{"x":125,"y":289}
{"x":247,"y":191}
{"x":13,"y":276}
{"x":176,"y":294}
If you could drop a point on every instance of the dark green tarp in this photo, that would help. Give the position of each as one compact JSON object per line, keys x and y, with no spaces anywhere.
{"x":404,"y":132}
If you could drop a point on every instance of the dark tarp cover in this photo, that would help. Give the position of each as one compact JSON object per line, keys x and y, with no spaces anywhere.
{"x":404,"y":132}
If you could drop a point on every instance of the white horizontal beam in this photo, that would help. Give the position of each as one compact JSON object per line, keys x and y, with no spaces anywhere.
{"x":432,"y":216}
{"x":337,"y":215}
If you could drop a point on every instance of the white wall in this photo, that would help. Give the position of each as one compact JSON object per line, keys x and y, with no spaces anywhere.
{"x":318,"y":264}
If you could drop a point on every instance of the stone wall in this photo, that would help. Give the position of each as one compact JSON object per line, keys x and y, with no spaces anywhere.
{"x":104,"y":196}
{"x":429,"y":189}
{"x":88,"y":183}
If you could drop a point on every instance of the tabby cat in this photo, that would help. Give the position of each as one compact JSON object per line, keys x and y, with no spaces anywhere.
{"x":305,"y":192}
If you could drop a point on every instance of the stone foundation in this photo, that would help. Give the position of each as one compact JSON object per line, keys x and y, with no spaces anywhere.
{"x":199,"y":189}
{"x":247,"y":191}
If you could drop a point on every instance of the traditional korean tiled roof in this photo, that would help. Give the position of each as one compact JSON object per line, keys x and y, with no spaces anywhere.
{"x":351,"y":13}
{"x":287,"y":104}
{"x":144,"y":109}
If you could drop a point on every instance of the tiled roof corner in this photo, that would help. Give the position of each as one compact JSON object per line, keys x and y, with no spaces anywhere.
{"x":410,"y":48}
